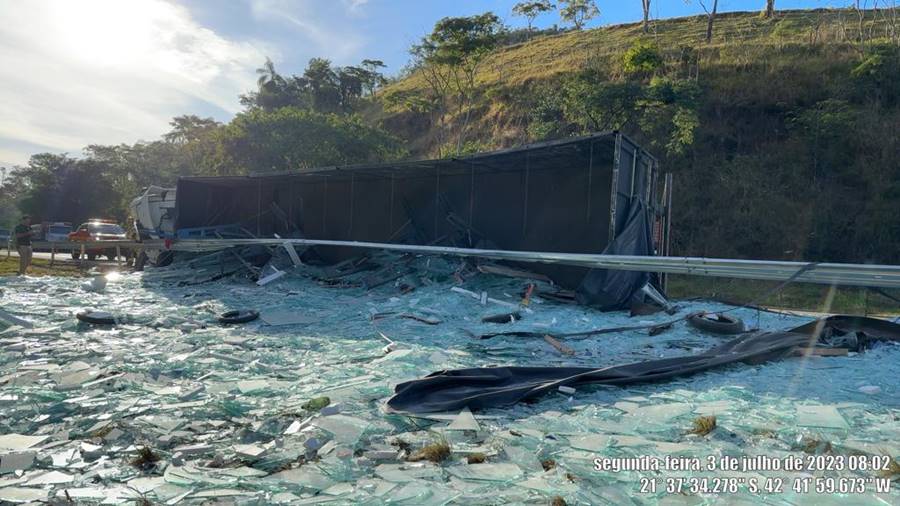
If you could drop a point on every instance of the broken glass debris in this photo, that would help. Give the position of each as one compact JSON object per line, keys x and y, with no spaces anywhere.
{"x":227,"y":412}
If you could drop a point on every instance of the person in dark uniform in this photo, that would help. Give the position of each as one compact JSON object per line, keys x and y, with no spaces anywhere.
{"x":23,"y":235}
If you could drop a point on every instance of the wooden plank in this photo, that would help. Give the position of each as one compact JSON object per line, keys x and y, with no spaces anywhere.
{"x":819,"y":352}
{"x":560,"y":347}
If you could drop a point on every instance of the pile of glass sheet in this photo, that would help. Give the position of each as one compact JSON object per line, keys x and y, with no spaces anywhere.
{"x":227,"y":412}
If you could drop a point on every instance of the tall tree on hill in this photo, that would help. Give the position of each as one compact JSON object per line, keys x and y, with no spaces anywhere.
{"x":645,"y":4}
{"x":189,"y":127}
{"x":710,"y":18}
{"x":770,"y":8}
{"x":449,"y":58}
{"x":324,"y":84}
{"x":578,"y":12}
{"x":532,"y":9}
{"x":373,"y":78}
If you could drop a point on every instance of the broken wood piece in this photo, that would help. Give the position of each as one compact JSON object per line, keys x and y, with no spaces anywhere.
{"x":819,"y":352}
{"x":560,"y":347}
{"x":526,"y":297}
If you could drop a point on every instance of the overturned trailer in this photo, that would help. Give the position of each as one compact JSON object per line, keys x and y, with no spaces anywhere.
{"x":592,"y":194}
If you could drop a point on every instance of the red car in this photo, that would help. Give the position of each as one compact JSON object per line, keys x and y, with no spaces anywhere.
{"x":98,"y":230}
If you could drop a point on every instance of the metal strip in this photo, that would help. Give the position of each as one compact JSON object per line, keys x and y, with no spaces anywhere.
{"x":259,"y":208}
{"x":325,"y":207}
{"x":352,"y":199}
{"x":525,"y":204}
{"x":391,"y":222}
{"x":471,"y":194}
{"x":590,"y":184}
{"x":614,"y":193}
{"x":437,"y":199}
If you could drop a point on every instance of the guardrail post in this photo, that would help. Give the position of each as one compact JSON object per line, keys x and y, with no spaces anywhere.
{"x":118,"y":256}
{"x":52,"y":255}
{"x":82,"y":257}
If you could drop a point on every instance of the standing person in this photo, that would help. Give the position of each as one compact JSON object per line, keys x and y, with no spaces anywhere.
{"x":23,"y":243}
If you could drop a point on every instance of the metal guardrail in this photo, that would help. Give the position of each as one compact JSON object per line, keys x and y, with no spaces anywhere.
{"x":63,"y":247}
{"x":882,"y":276}
{"x":76,"y":245}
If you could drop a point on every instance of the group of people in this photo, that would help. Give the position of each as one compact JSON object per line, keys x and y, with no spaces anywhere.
{"x":22,"y":234}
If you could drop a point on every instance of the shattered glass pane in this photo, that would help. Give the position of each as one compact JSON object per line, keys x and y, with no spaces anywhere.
{"x":176,"y":408}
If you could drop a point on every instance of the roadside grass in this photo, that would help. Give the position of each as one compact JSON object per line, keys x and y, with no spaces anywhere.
{"x":9,"y":266}
{"x":796,"y":296}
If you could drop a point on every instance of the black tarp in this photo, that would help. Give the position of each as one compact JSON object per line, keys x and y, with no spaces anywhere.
{"x":501,"y":386}
{"x":608,"y":290}
{"x":571,"y":195}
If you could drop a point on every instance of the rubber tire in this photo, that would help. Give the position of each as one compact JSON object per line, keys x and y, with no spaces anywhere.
{"x":730,"y":326}
{"x":164,"y":258}
{"x":96,"y":318}
{"x":76,"y":255}
{"x":91,"y":257}
{"x":242,"y":316}
{"x":140,"y":261}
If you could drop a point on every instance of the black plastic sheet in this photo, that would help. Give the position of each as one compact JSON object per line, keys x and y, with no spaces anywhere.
{"x":502,"y":386}
{"x":608,"y":290}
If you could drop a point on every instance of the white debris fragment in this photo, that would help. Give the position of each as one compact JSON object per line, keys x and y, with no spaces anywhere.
{"x":248,"y":450}
{"x":18,"y":442}
{"x":465,"y":420}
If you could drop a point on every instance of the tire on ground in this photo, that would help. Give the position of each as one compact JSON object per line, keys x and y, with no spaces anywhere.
{"x":241,"y":316}
{"x":96,"y":318}
{"x":716,"y":323}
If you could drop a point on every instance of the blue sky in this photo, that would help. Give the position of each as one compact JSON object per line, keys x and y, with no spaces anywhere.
{"x":79,"y":72}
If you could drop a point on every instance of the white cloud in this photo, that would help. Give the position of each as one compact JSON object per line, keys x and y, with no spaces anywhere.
{"x":317,"y":22}
{"x":110,"y":71}
{"x":356,"y":6}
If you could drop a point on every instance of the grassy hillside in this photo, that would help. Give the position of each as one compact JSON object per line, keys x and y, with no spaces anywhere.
{"x":791,"y":147}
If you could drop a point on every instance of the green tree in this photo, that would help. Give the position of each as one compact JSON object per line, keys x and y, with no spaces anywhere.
{"x":449,"y":59}
{"x":189,"y":128}
{"x":373,"y":77}
{"x":578,"y":12}
{"x":532,"y":9}
{"x":324,"y":85}
{"x":642,"y":58}
{"x":60,"y":188}
{"x":290,"y":139}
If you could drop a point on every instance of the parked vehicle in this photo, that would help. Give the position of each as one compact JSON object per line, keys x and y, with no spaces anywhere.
{"x":37,"y":232}
{"x":50,"y":231}
{"x":57,"y":232}
{"x":5,"y":238}
{"x":98,"y":230}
